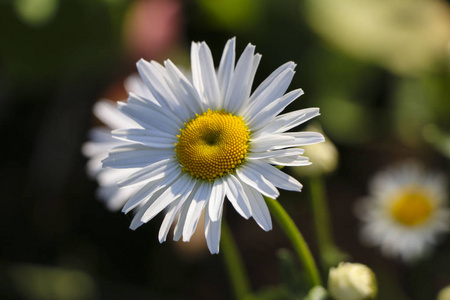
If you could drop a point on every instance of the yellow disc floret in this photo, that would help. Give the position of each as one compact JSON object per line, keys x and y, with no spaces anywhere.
{"x":412,"y":207}
{"x":212,"y":144}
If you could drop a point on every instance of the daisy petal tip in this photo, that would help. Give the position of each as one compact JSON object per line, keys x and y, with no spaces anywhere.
{"x":213,"y":215}
{"x":122,"y":183}
{"x":268,"y":228}
{"x":141,"y":62}
{"x":213,"y":249}
{"x":321,"y":139}
{"x":106,"y":163}
{"x":135,"y":225}
{"x":162,"y":239}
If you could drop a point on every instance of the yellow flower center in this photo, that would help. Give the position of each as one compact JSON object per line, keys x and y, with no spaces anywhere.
{"x":412,"y":207}
{"x":212,"y":144}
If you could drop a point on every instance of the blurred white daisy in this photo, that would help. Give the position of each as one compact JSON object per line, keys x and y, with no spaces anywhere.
{"x":101,"y":141}
{"x":207,"y":139}
{"x":405,"y":212}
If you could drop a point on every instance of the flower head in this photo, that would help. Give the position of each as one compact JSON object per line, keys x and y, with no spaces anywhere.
{"x":352,"y":281}
{"x":406,"y":211}
{"x":203,"y":140}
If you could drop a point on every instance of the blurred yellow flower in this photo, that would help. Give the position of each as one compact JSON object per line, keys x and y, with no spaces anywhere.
{"x":405,"y":211}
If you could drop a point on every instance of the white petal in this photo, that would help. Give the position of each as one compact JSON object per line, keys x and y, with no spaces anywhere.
{"x":244,"y":103}
{"x":239,"y":82}
{"x":179,"y":107}
{"x":268,"y":82}
{"x":275,"y":153}
{"x":100,"y":142}
{"x":187,"y":93}
{"x":260,"y":211}
{"x":306,"y":138}
{"x":278,"y":124}
{"x":257,"y":181}
{"x":266,"y":143}
{"x":136,"y":222}
{"x":274,"y":91}
{"x":270,"y":111}
{"x":176,"y":189}
{"x":113,"y":197}
{"x":236,"y":195}
{"x":150,"y":189}
{"x":149,"y":115}
{"x":107,"y":112}
{"x":135,"y":156}
{"x":256,"y":60}
{"x":275,"y":176}
{"x":151,"y":138}
{"x":153,"y":172}
{"x":174,"y":209}
{"x":226,"y":67}
{"x":196,"y":69}
{"x":111,"y":176}
{"x":195,"y":209}
{"x":215,"y":205}
{"x":156,"y":78}
{"x":134,"y":84}
{"x":300,"y":117}
{"x":285,"y":140}
{"x":287,"y":121}
{"x":204,"y":75}
{"x":178,"y":231}
{"x":212,"y":232}
{"x":171,"y":213}
{"x":289,"y":161}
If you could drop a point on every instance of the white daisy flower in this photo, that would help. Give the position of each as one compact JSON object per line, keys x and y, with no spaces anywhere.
{"x":405,"y":212}
{"x":207,"y":139}
{"x":101,"y":141}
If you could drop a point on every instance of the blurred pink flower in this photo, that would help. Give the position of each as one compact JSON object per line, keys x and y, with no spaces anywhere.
{"x":152,"y":27}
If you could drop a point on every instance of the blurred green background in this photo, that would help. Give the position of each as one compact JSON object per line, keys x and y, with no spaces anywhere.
{"x":379,"y":71}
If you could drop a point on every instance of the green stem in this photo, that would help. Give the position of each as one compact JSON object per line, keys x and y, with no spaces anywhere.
{"x":320,"y":214}
{"x":234,"y":265}
{"x":297,"y":240}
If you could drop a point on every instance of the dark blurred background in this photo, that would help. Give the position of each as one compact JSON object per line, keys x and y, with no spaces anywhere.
{"x":378,"y":70}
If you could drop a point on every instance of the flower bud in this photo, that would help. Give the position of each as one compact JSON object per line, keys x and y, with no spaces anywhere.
{"x":444,"y":294}
{"x":352,"y":281}
{"x":324,"y":156}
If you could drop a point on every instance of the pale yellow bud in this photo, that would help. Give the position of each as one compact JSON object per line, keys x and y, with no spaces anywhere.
{"x":444,"y":294}
{"x":352,"y":281}
{"x":323,"y":156}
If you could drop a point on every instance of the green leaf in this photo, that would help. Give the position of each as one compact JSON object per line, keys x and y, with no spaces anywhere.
{"x":291,"y":277}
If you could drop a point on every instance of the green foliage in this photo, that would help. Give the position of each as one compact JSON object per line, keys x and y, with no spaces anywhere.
{"x":292,"y":279}
{"x":36,"y":12}
{"x":78,"y":39}
{"x":231,"y":14}
{"x":293,"y":282}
